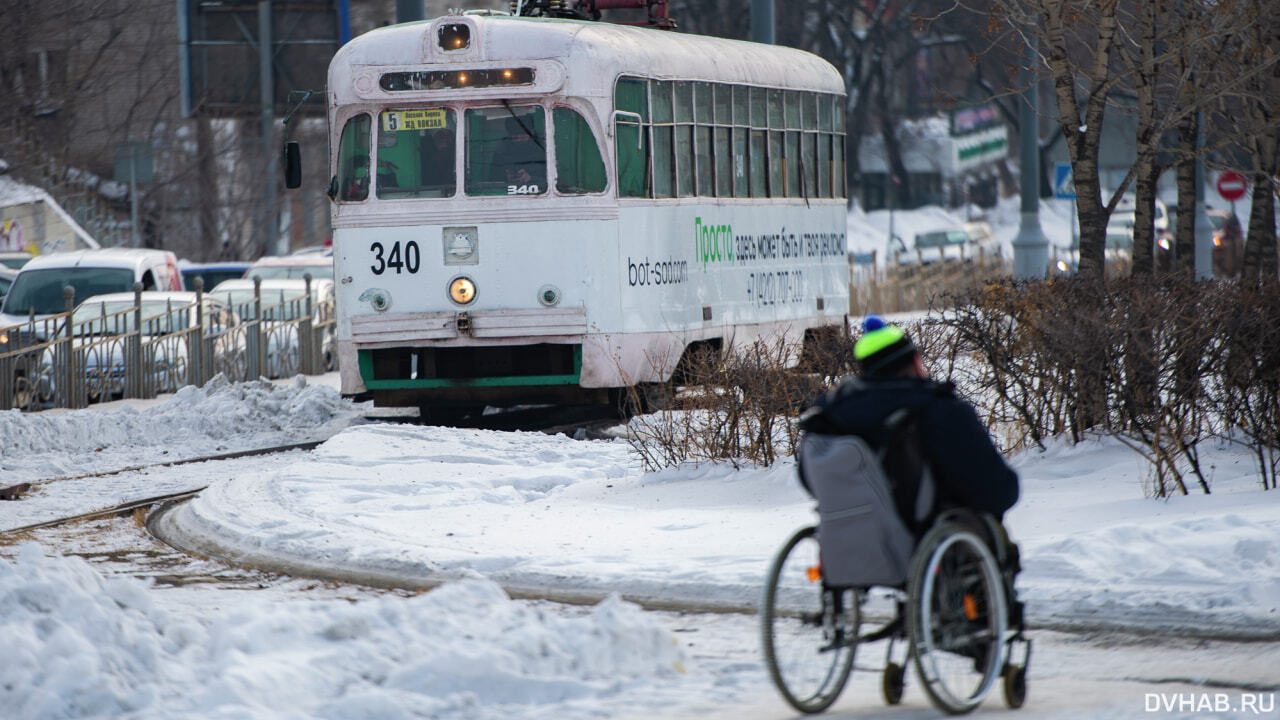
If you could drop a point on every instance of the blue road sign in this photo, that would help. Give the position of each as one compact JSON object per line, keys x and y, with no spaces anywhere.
{"x":1064,"y":187}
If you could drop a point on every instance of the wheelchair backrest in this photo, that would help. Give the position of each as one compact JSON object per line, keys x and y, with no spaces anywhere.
{"x":863,"y":540}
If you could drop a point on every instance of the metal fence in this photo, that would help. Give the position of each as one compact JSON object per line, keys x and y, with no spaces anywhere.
{"x":64,"y":361}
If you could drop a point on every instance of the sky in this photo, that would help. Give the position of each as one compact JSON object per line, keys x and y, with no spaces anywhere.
{"x":1132,"y":600}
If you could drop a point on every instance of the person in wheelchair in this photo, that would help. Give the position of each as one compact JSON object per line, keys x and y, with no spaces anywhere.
{"x":919,"y":426}
{"x":937,"y":457}
{"x":911,"y":492}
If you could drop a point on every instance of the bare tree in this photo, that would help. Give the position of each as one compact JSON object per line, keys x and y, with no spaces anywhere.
{"x":1178,"y":61}
{"x":1262,"y":110}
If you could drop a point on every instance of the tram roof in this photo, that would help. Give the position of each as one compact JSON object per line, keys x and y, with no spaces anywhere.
{"x":603,"y":50}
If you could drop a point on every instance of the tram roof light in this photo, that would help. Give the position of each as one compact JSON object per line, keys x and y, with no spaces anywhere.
{"x":454,"y":79}
{"x":454,"y":36}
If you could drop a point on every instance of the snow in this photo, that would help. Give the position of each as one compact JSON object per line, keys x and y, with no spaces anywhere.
{"x":483,"y":518}
{"x":13,"y":192}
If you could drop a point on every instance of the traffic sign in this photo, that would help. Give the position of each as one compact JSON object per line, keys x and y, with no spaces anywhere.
{"x":1064,"y":186}
{"x":1231,"y":185}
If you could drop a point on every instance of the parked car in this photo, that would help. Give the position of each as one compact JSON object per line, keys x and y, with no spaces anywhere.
{"x":292,"y":266}
{"x":36,"y":296}
{"x":212,"y":273}
{"x":283,"y":308}
{"x":7,"y":274}
{"x":966,"y":242}
{"x":101,"y":327}
{"x":15,"y":259}
{"x":38,"y":286}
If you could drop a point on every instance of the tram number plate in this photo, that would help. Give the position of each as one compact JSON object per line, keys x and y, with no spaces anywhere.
{"x":386,"y":259}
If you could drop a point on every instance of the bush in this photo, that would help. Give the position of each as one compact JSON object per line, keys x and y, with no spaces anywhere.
{"x":1163,"y":364}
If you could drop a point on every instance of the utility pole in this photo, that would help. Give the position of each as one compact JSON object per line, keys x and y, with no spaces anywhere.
{"x":762,"y":21}
{"x":270,"y":240}
{"x":410,"y":10}
{"x":1204,"y":228}
{"x":1030,"y":247}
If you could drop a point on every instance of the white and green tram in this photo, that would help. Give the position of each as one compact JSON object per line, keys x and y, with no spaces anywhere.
{"x":529,"y":209}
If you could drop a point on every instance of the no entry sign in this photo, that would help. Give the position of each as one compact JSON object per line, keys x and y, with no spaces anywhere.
{"x":1231,"y":185}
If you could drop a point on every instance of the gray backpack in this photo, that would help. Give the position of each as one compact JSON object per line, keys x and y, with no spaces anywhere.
{"x":863,"y":538}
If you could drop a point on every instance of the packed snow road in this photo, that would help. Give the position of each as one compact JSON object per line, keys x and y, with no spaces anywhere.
{"x":715,"y":669}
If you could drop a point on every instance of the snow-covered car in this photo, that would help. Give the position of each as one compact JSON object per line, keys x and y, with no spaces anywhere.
{"x":105,"y":332}
{"x":7,"y":274}
{"x":211,"y":273}
{"x":15,"y":259}
{"x":284,"y":308}
{"x":272,"y":267}
{"x":966,"y":243}
{"x":34,"y":304}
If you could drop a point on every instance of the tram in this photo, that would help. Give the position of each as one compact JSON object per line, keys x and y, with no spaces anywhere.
{"x":550,"y":210}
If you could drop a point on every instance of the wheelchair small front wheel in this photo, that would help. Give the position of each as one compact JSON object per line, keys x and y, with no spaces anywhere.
{"x":893,"y":683}
{"x":808,"y":632}
{"x":956,"y":617}
{"x":1015,"y":686}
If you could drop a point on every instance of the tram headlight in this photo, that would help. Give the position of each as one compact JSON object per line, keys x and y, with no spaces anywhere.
{"x":549,"y":295}
{"x":462,"y":290}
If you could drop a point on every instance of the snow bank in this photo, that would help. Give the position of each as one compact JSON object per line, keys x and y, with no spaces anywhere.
{"x":79,"y":645}
{"x":219,"y":417}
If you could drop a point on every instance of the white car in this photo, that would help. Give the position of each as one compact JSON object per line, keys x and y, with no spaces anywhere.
{"x":966,"y":242}
{"x":103,"y":328}
{"x":296,"y":266}
{"x":283,"y":308}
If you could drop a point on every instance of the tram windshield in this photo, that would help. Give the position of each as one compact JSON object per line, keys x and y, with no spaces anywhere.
{"x":417,"y":153}
{"x":506,"y":151}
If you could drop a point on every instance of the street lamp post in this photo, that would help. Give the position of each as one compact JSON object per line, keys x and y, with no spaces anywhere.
{"x":1030,"y":247}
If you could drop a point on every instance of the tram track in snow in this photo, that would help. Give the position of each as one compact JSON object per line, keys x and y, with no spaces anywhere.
{"x":577,"y":422}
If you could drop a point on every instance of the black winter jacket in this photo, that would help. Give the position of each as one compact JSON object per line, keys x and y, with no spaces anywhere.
{"x":967,"y":468}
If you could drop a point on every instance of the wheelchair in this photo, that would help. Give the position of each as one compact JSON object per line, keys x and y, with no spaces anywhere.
{"x":957,"y":616}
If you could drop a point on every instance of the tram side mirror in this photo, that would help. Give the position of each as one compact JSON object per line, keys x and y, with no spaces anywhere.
{"x":332,"y":190}
{"x":292,"y":165}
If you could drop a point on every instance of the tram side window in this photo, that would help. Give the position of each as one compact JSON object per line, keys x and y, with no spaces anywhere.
{"x":741,"y":123}
{"x":506,"y":151}
{"x":740,"y":188}
{"x":793,"y":166}
{"x":683,"y":107}
{"x":632,"y":103}
{"x":417,"y":153}
{"x":837,"y":165}
{"x":663,"y":140}
{"x":703,"y":152}
{"x":579,"y":167}
{"x":351,"y":184}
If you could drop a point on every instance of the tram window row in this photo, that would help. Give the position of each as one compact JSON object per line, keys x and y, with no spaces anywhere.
{"x":686,"y":139}
{"x":673,"y":139}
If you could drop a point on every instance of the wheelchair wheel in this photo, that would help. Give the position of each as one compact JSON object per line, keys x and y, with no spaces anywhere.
{"x":809,"y":632}
{"x":892,"y":683}
{"x":956,"y":617}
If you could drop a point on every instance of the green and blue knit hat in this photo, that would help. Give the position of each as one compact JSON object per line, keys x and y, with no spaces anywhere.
{"x":883,"y":348}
